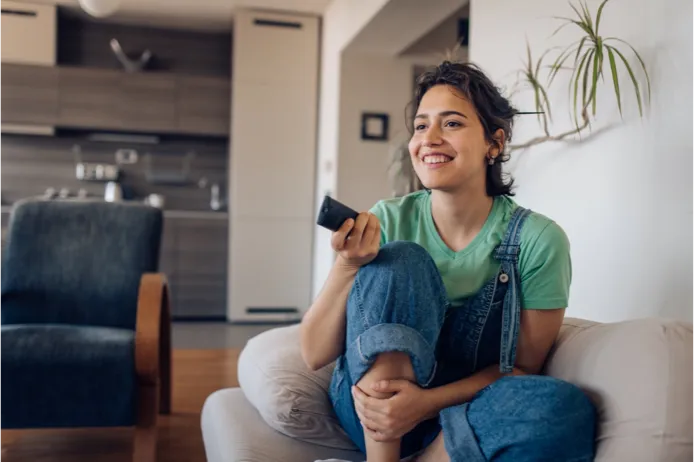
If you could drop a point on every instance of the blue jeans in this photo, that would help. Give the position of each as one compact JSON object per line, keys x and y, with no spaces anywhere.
{"x":399,"y":303}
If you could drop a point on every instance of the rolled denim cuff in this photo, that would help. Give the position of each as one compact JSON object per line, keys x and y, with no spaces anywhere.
{"x":384,"y":338}
{"x":458,"y":436}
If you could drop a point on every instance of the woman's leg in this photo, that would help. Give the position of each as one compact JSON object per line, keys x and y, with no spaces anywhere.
{"x":397,"y":305}
{"x":522,"y":418}
{"x":393,"y":365}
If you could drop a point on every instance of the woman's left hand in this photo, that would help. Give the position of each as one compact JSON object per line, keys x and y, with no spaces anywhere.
{"x":391,"y":418}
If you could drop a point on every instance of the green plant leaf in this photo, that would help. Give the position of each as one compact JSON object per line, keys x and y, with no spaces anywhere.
{"x":586,"y":14}
{"x":559,"y":62}
{"x":544,"y":95}
{"x":643,"y":65}
{"x":615,"y":78}
{"x":560,"y":27}
{"x":575,"y":78}
{"x":580,"y":24}
{"x":578,"y":51}
{"x":633,"y":78}
{"x":596,"y":72}
{"x":586,"y":96}
{"x":578,"y":13}
{"x":597,"y":20}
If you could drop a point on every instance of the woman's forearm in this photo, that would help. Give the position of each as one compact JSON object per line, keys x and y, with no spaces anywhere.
{"x":464,"y":390}
{"x":323,"y":325}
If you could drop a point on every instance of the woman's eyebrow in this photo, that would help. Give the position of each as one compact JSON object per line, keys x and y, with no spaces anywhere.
{"x":442,"y":114}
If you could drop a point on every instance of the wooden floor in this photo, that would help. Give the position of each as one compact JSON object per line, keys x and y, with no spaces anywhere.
{"x":196,"y":374}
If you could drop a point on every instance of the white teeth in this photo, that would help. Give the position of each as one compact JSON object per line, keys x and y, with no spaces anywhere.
{"x":436,"y":159}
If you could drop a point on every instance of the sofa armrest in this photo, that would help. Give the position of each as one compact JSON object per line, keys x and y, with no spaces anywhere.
{"x":639,"y":375}
{"x":153,"y":337}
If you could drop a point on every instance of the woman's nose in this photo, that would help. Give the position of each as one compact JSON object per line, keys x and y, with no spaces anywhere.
{"x":431,"y":137}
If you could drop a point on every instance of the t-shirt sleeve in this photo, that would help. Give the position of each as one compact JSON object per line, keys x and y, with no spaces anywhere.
{"x":545,"y":267}
{"x":381,"y":213}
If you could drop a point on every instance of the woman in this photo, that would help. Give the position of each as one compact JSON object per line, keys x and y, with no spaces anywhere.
{"x":442,"y":305}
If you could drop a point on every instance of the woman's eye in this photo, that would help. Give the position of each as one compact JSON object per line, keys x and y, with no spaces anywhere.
{"x":420,"y":127}
{"x":453,"y":123}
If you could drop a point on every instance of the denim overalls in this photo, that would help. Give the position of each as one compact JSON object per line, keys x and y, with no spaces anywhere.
{"x":398,"y":303}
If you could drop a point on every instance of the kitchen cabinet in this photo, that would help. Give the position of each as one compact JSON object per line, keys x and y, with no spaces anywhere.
{"x":107,"y":99}
{"x":29,"y":94}
{"x":89,"y":98}
{"x":203,"y":105}
{"x":148,"y":102}
{"x":194,"y":258}
{"x":155,"y":102}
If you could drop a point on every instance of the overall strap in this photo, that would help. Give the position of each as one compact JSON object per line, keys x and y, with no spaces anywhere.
{"x":510,"y":246}
{"x":507,"y":254}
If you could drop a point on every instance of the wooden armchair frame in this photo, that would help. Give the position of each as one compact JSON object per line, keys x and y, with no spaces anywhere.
{"x":152,"y":362}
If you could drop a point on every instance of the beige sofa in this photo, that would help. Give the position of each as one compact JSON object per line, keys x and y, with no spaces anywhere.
{"x":639,"y":374}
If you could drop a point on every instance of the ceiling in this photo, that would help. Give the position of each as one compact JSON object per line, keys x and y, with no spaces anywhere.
{"x":212,"y":15}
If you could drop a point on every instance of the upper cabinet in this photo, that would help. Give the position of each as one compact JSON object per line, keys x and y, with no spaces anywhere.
{"x":89,"y":98}
{"x":203,"y":105}
{"x":29,"y":94}
{"x":148,"y":101}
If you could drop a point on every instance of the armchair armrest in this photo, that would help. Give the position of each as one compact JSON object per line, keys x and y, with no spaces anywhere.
{"x":153,"y":337}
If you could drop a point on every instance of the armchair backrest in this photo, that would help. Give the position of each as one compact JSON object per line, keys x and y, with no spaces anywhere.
{"x":78,"y":262}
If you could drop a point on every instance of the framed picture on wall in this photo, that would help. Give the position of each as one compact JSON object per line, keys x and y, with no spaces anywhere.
{"x":374,"y":126}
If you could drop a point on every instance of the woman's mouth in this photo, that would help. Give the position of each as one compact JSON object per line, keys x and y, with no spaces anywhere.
{"x":436,"y":160}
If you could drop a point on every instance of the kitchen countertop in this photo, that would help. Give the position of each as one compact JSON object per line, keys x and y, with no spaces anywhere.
{"x":173,"y":213}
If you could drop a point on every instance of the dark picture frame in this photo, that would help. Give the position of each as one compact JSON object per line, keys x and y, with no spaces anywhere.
{"x":374,"y":126}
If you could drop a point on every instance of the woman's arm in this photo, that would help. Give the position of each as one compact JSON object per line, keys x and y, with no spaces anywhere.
{"x":538,"y":331}
{"x":323,"y":326}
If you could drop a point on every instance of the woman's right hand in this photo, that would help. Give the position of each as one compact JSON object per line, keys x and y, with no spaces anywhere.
{"x":357,"y":242}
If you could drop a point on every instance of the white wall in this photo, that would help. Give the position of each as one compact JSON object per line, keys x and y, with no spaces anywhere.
{"x":342,"y":21}
{"x":365,"y":162}
{"x":624,"y":196}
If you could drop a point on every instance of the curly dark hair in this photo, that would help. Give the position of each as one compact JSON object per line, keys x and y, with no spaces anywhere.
{"x":493,"y":110}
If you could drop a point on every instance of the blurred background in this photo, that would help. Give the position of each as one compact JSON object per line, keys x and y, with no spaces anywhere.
{"x":237,"y":117}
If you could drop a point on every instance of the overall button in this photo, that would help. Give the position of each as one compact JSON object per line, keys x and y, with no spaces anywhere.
{"x":503,"y":278}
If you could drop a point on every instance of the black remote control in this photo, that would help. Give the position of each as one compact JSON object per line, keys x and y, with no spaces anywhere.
{"x":333,"y":214}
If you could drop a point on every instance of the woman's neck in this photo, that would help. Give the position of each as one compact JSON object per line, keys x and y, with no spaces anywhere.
{"x":459,"y":216}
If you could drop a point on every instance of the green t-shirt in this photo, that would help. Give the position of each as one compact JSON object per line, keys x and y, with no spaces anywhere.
{"x":544,"y":261}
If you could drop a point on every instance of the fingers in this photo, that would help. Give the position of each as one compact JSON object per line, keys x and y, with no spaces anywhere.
{"x":339,"y":238}
{"x":357,"y":231}
{"x":373,"y":229}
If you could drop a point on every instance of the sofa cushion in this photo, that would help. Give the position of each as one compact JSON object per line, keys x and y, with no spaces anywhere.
{"x":67,"y":376}
{"x":639,"y":374}
{"x":290,"y":397}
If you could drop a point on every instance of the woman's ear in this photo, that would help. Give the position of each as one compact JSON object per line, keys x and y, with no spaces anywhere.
{"x":499,"y":142}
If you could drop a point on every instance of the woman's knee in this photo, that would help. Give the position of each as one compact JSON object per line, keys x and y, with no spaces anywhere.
{"x":534,"y":413}
{"x":535,"y":397}
{"x":397,"y":303}
{"x":401,"y":285}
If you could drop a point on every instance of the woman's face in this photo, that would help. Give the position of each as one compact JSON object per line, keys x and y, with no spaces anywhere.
{"x":448,"y":148}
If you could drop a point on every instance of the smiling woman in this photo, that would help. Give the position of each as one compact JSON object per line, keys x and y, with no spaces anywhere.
{"x":441,"y":327}
{"x":460,"y":104}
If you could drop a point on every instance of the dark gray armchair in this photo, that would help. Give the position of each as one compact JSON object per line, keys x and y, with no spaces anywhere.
{"x":85,"y":319}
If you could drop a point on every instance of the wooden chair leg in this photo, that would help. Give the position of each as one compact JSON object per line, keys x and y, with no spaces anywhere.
{"x":145,"y":441}
{"x":165,"y":361}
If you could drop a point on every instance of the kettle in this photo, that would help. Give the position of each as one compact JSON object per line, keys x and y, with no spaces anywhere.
{"x":113,"y":192}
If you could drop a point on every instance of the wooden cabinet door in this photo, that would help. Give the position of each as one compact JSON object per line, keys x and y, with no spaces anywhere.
{"x":203,"y":105}
{"x":201,"y":276}
{"x":89,"y":98}
{"x":29,"y":94}
{"x":148,"y":102}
